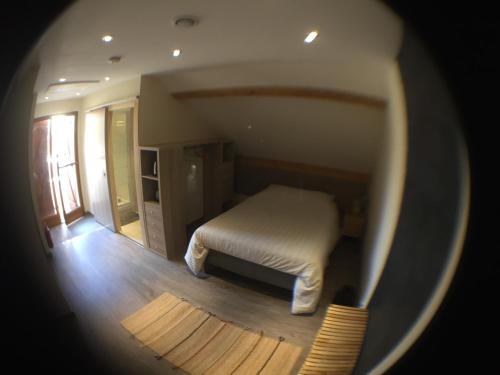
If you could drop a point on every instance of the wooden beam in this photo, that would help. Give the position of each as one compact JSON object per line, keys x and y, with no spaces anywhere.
{"x":304,"y":168}
{"x":297,"y":92}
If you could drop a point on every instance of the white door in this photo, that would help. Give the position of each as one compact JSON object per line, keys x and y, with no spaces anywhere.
{"x":95,"y":165}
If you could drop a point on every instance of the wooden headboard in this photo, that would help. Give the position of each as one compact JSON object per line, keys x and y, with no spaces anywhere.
{"x":253,"y":175}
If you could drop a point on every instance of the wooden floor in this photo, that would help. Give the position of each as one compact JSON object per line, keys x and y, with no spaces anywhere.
{"x":63,"y":232}
{"x":133,"y":231}
{"x":106,"y":277}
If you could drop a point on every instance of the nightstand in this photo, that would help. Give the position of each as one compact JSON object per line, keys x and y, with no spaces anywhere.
{"x":353,"y":225}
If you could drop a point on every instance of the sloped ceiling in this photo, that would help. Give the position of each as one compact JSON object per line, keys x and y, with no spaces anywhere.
{"x":317,"y":132}
{"x":356,"y":39}
{"x":236,"y":43}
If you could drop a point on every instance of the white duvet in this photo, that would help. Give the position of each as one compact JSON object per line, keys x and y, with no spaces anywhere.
{"x":288,"y":229}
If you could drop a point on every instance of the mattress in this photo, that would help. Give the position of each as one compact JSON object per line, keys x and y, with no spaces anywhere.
{"x":288,"y":229}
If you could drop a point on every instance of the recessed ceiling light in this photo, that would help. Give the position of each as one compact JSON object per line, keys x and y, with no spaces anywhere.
{"x":311,"y":36}
{"x":176,"y":52}
{"x":46,"y":97}
{"x":77,"y":94}
{"x":107,"y":78}
{"x":62,"y":79}
{"x":107,"y":38}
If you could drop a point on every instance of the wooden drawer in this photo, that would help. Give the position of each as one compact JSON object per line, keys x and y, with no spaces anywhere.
{"x":158,"y":246}
{"x":154,"y":223}
{"x":153,"y":211}
{"x":156,"y":235}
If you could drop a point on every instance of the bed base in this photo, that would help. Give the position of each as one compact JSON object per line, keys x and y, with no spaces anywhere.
{"x":250,"y":269}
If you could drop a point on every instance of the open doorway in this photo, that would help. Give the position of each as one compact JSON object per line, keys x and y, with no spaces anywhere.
{"x":55,"y":169}
{"x":122,"y":168}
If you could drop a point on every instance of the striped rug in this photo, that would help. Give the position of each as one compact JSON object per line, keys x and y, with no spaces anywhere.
{"x":337,"y":345}
{"x":201,"y":343}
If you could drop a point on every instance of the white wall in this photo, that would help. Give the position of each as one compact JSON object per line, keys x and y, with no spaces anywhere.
{"x":361,"y":76}
{"x":123,"y":90}
{"x":317,"y":132}
{"x":386,"y":191}
{"x":163,"y":119}
{"x":65,"y":106}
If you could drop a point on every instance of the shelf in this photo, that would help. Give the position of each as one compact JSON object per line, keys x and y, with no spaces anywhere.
{"x":149,"y":188}
{"x":150,"y":177}
{"x":149,"y":159}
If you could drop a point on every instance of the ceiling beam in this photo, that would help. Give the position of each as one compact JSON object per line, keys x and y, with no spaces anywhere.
{"x":304,"y":169}
{"x":297,"y":92}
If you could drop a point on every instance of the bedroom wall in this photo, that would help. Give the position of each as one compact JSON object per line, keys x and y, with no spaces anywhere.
{"x":115,"y":92}
{"x":363,"y":76}
{"x":310,"y":131}
{"x":65,"y":106}
{"x":386,"y":190}
{"x":163,"y":119}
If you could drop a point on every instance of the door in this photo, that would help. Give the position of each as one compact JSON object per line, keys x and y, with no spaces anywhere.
{"x":95,"y":163}
{"x":43,"y":178}
{"x":64,"y":153}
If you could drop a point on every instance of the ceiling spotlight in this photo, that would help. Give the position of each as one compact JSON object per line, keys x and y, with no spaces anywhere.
{"x":77,"y":94}
{"x":46,"y":97}
{"x":176,"y":52}
{"x":185,"y":21}
{"x":107,"y":78}
{"x":107,"y":38}
{"x":311,"y":36}
{"x":62,"y":79}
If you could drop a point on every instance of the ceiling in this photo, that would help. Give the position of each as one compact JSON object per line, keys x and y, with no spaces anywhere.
{"x":357,"y":39}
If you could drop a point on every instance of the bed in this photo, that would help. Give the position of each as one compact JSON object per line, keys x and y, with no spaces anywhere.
{"x":283,"y":228}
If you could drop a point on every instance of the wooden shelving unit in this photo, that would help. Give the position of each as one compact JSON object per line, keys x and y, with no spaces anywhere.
{"x":163,"y":192}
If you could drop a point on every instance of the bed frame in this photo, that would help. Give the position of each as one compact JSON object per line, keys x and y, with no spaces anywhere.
{"x":251,"y":270}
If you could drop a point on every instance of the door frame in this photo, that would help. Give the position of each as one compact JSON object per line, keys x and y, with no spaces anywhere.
{"x":134,"y":105}
{"x":110,"y":170}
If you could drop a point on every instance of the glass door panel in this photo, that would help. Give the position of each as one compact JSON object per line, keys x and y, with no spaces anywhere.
{"x":64,"y":153}
{"x":43,"y":177}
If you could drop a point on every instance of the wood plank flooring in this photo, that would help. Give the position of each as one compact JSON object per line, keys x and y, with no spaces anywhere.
{"x":106,"y":277}
{"x":63,"y":232}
